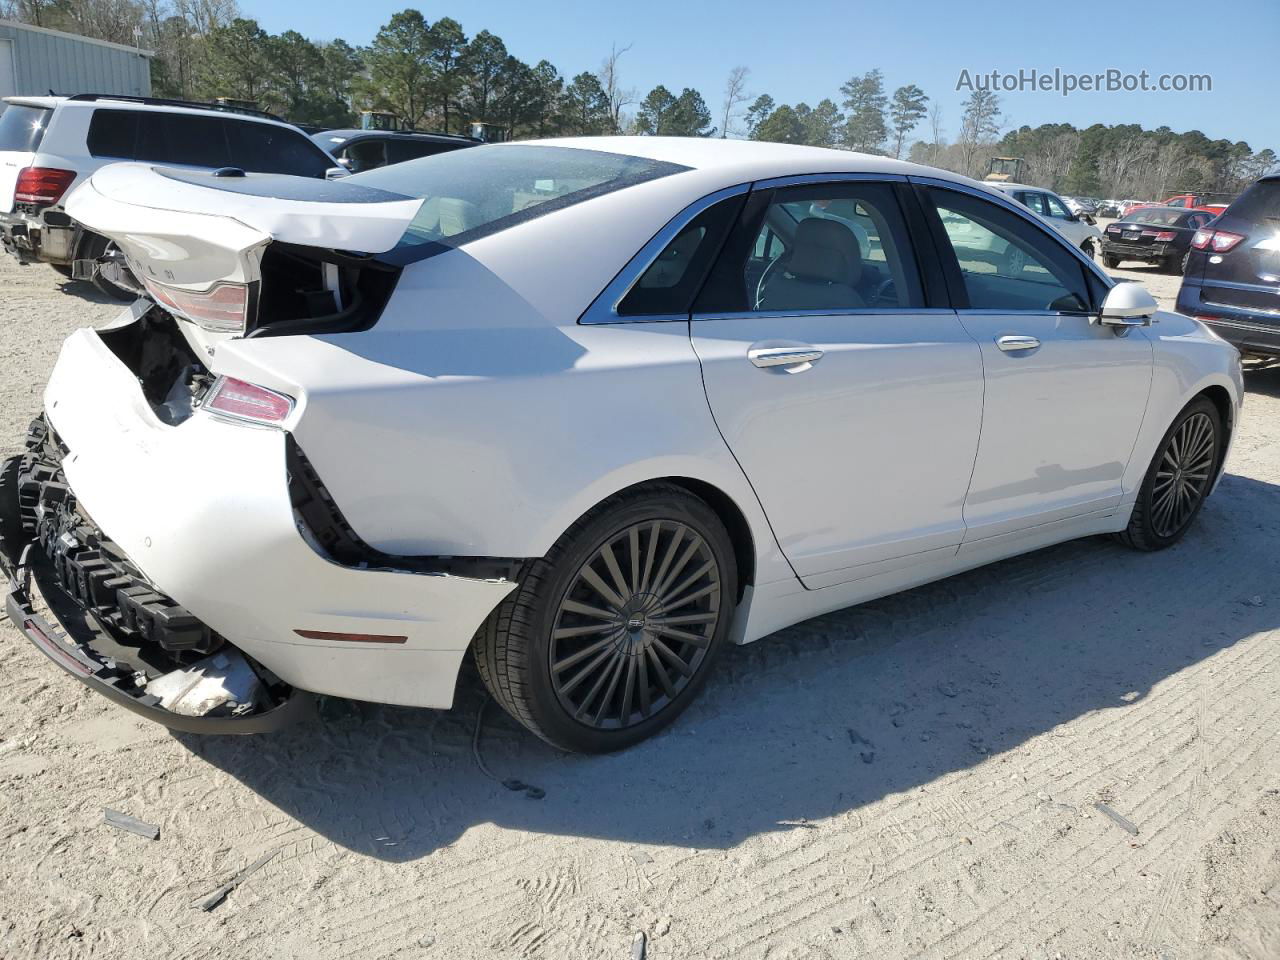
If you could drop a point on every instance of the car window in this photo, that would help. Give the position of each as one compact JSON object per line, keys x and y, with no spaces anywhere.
{"x":398,"y":151}
{"x":268,"y":148}
{"x":1035,"y":201}
{"x":1007,"y":262}
{"x":1260,"y":201}
{"x":1177,"y":202}
{"x":365,"y":155}
{"x":1056,"y":209}
{"x":834,"y":247}
{"x":22,"y":127}
{"x":669,"y":284}
{"x":204,"y":141}
{"x":479,"y":191}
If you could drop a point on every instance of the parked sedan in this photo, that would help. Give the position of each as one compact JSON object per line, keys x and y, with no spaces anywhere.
{"x":589,"y":410}
{"x":1159,"y":235}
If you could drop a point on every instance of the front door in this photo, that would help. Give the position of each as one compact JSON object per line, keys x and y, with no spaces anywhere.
{"x":852,"y":405}
{"x":1065,"y":396}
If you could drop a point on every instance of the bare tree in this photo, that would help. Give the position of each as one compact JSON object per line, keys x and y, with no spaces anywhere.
{"x":735,"y":95}
{"x":619,"y":97}
{"x":935,"y":132}
{"x":978,"y":128}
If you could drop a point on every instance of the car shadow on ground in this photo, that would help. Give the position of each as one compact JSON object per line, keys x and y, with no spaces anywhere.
{"x":1264,"y":380}
{"x":87,"y":291}
{"x":815,"y":721}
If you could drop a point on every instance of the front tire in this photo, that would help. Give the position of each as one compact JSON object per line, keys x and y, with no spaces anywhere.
{"x":1178,"y":479}
{"x":611,"y":635}
{"x":1087,"y":249}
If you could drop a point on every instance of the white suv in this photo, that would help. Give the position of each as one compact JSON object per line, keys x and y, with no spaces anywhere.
{"x":1079,"y":228}
{"x":49,"y":144}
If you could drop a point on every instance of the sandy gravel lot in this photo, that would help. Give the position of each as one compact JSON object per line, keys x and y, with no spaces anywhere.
{"x":914,"y":777}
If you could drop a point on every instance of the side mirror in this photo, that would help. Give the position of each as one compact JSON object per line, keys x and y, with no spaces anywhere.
{"x":336,"y":173}
{"x":1127,"y":305}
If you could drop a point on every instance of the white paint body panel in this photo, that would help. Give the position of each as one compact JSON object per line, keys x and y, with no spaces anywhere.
{"x":897,"y":389}
{"x":479,"y":418}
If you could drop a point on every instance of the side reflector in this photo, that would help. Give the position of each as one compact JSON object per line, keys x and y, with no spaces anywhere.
{"x":351,"y":637}
{"x":247,"y":401}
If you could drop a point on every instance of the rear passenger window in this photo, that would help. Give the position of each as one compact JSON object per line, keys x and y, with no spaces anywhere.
{"x":669,"y":284}
{"x":1035,"y":201}
{"x":152,"y":136}
{"x":1008,"y":263}
{"x":833,"y":247}
{"x":398,"y":151}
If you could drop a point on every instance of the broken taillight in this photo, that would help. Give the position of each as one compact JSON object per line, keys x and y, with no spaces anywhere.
{"x":230,"y":397}
{"x":42,"y":186}
{"x":223,"y":308}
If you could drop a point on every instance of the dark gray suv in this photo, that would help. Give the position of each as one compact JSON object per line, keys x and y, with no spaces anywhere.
{"x":1232,"y":278}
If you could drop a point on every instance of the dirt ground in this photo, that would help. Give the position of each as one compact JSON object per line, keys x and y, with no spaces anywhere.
{"x":917,"y":777}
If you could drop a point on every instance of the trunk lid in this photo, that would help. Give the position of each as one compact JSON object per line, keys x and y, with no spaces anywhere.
{"x":282,"y":250}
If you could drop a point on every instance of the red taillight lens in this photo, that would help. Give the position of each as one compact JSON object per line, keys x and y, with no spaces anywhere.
{"x":1224,"y":241}
{"x":1219,"y":241}
{"x":223,"y":308}
{"x":42,"y":185}
{"x":247,"y":401}
{"x":1166,"y":236}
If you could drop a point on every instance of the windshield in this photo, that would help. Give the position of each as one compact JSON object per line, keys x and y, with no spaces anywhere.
{"x":473,"y":193}
{"x":22,"y":127}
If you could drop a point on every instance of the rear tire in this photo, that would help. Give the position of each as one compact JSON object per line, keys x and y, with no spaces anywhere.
{"x":1110,"y":262}
{"x":1178,"y":479}
{"x":1175,"y":264}
{"x":600,"y":646}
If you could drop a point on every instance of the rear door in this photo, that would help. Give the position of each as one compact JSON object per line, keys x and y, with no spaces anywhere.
{"x":1065,"y":396}
{"x":21,"y":130}
{"x":847,"y":390}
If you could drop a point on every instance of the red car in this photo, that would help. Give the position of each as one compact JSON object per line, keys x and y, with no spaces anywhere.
{"x":1188,"y":201}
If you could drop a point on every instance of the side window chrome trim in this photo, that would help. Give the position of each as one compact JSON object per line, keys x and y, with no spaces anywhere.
{"x":1000,"y":199}
{"x":604,"y":309}
{"x":765,"y":314}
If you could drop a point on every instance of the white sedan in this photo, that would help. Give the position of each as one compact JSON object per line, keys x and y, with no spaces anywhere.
{"x":587,"y":409}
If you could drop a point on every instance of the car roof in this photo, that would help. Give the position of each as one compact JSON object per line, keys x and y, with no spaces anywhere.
{"x":1147,"y":207}
{"x":1009,"y":185}
{"x":125,"y":102}
{"x":747,"y":159}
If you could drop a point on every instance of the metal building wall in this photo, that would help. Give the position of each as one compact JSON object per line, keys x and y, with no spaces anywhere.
{"x":45,"y":60}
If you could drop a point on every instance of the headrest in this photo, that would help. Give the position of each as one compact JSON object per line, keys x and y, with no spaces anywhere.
{"x":825,"y":250}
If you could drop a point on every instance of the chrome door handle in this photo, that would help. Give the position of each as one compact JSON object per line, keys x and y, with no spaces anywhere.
{"x":1014,"y":344}
{"x":789,"y":356}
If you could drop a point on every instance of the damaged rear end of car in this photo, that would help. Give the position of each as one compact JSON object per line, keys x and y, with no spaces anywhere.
{"x":164,"y":538}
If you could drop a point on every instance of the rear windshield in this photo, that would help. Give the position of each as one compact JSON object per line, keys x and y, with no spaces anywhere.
{"x":479,"y":191}
{"x":22,"y":127}
{"x":1260,"y":202}
{"x":1157,"y":216}
{"x":204,"y":141}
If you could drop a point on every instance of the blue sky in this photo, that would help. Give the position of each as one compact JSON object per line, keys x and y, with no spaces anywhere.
{"x":804,"y":49}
